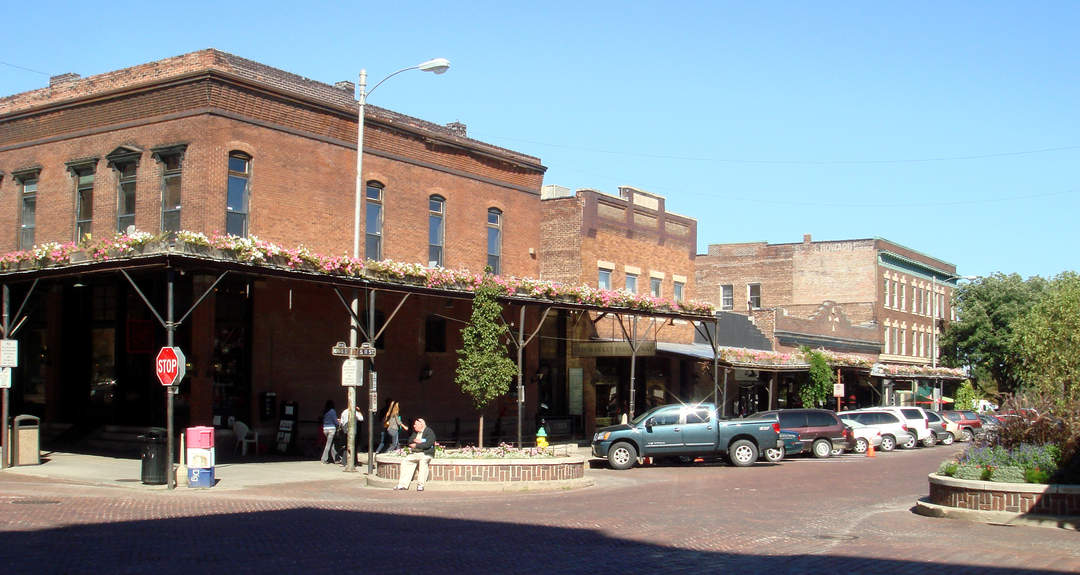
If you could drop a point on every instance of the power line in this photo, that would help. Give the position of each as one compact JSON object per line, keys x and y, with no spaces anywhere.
{"x":793,"y":162}
{"x":25,"y":68}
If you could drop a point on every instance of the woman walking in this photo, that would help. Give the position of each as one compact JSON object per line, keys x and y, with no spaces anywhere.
{"x":329,"y":426}
{"x":391,"y":426}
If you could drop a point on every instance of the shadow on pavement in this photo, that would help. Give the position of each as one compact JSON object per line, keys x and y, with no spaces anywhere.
{"x":311,"y":540}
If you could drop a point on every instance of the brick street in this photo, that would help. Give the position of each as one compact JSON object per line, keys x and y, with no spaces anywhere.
{"x":846,"y":514}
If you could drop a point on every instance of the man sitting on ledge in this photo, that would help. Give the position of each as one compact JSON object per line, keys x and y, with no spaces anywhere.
{"x":422,"y":449}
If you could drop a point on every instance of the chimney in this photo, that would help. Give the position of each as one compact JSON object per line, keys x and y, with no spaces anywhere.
{"x":345,"y":85}
{"x":456,"y":128}
{"x":806,"y":238}
{"x":63,"y":79}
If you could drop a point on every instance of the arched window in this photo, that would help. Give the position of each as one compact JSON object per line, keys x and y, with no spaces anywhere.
{"x":436,"y":231}
{"x":373,"y":197}
{"x":236,"y":207}
{"x":494,"y":240}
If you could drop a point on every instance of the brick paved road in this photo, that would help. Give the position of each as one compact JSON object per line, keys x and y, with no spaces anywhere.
{"x":848,"y":514}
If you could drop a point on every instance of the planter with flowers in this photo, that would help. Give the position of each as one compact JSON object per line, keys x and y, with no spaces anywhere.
{"x":501,"y":467}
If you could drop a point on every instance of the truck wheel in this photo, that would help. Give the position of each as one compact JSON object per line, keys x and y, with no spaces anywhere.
{"x":774,"y":454}
{"x":888,"y":443}
{"x":743,"y":453}
{"x":949,"y":439}
{"x":822,"y":448}
{"x":622,"y":455}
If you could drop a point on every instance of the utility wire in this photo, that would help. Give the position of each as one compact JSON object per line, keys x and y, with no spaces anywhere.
{"x":25,"y":68}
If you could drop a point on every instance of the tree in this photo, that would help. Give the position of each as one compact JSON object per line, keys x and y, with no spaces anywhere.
{"x":965,"y":396}
{"x":982,"y":335}
{"x":820,"y":387}
{"x":1047,"y":340}
{"x":484,"y":371}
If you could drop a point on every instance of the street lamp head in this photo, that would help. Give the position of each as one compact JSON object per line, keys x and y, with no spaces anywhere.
{"x":437,"y":65}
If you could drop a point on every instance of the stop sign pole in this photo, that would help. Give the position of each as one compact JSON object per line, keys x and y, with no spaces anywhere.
{"x":172,"y":386}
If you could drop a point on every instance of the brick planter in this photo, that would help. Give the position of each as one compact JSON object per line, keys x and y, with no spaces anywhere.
{"x":495,"y":471}
{"x":1028,"y":498}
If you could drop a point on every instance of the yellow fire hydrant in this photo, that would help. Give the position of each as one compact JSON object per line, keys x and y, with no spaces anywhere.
{"x":541,"y":437}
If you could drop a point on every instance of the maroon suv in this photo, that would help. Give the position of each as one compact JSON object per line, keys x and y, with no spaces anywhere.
{"x":969,"y":423}
{"x":820,"y":428}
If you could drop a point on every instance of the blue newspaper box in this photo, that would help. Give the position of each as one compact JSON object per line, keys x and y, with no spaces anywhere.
{"x":200,"y":476}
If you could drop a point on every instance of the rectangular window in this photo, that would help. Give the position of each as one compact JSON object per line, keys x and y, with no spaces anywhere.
{"x":84,"y":203}
{"x":895,"y":338}
{"x":887,"y":340}
{"x":922,"y":345}
{"x":654,"y":286}
{"x":436,"y":206}
{"x":894,"y":295}
{"x":603,"y":280}
{"x":886,"y":292}
{"x":239,"y":192}
{"x":753,"y":293}
{"x":434,"y":334}
{"x":941,"y":306}
{"x":631,"y":283}
{"x":125,"y":196}
{"x":915,"y":300}
{"x":170,"y":192}
{"x":903,"y":297}
{"x":727,"y":297}
{"x":903,"y":342}
{"x":494,"y":240}
{"x":678,"y":293}
{"x":29,"y":210}
{"x":373,"y":221}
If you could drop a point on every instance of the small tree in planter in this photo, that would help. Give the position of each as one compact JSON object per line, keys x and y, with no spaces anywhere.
{"x":484,"y":370}
{"x":817,"y":391}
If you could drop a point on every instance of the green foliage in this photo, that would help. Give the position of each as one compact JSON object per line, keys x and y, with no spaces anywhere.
{"x":965,"y":396}
{"x":484,"y":371}
{"x":820,"y":387}
{"x":947,"y":468}
{"x":982,"y":336}
{"x":1008,"y":474}
{"x":970,"y":472}
{"x":1037,"y":475}
{"x":1047,"y":339}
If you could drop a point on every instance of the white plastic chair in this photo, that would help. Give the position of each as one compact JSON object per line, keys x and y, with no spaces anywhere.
{"x":244,"y":436}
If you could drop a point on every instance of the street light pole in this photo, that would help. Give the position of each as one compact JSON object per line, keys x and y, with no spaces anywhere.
{"x":437,"y":66}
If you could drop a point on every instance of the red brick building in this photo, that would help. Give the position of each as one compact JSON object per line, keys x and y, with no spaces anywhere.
{"x":628,"y":242}
{"x":211,"y":142}
{"x":870,"y":297}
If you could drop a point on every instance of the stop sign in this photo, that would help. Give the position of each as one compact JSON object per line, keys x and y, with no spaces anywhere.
{"x":170,"y":365}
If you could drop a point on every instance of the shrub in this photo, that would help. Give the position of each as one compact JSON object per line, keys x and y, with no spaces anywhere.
{"x":1037,"y":476}
{"x":947,"y":468}
{"x":971,"y":472}
{"x":1007,"y":474}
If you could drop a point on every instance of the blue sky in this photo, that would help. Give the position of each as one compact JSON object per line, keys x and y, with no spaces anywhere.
{"x":951,"y":128}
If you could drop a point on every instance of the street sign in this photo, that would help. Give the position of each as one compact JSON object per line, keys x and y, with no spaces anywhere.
{"x":5,"y":378}
{"x":352,"y":373}
{"x":366,"y":350}
{"x":169,"y":366}
{"x":373,"y":392}
{"x":9,"y":353}
{"x":838,"y":390}
{"x":342,"y":350}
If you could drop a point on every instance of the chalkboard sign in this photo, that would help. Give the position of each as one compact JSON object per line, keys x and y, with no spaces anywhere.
{"x":286,"y":433}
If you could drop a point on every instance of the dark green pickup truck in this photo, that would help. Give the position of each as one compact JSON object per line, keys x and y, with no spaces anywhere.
{"x":690,"y":430}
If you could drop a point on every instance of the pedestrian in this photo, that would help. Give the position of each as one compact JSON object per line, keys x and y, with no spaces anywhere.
{"x":421,"y":450}
{"x":392,"y":426}
{"x":329,"y":426}
{"x":343,"y":428}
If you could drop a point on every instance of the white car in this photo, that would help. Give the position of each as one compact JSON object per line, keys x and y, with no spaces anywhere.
{"x":915,"y":420}
{"x":894,"y":432}
{"x":864,"y":435}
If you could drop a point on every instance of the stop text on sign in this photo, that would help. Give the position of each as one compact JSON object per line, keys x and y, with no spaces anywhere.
{"x":170,"y":366}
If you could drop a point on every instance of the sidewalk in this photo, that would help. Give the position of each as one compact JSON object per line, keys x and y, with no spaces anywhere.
{"x":127,"y":472}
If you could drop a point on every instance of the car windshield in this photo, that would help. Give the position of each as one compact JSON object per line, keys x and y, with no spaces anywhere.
{"x":646,"y":415}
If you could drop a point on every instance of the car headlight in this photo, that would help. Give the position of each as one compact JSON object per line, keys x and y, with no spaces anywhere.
{"x":602,"y":436}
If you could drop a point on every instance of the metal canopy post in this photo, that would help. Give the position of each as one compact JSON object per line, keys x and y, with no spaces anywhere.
{"x":715,"y":365}
{"x":632,"y":340}
{"x":372,"y":407}
{"x":520,"y":342}
{"x":5,"y":438}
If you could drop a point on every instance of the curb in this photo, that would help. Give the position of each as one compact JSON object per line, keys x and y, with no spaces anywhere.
{"x":502,"y":486}
{"x":926,"y":508}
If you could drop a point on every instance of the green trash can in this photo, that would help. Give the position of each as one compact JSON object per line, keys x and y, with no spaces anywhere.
{"x":26,"y":436}
{"x":154,"y":464}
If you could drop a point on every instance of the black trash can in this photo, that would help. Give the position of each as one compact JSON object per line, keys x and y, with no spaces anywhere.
{"x":154,"y":457}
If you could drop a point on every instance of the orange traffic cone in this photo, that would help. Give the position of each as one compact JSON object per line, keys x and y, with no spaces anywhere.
{"x":870,"y":449}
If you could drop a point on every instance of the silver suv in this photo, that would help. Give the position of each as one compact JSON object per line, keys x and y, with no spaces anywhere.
{"x":894,"y":431}
{"x":917,"y":422}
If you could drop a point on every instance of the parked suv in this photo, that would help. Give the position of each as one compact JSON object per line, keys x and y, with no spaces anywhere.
{"x":893,"y":430}
{"x":968,"y":421}
{"x":915,"y":419}
{"x":820,"y":428}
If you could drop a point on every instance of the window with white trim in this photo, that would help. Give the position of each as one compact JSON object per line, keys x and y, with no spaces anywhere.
{"x":631,"y":283}
{"x":678,"y":291}
{"x":727,"y":297}
{"x":603,"y":278}
{"x":654,"y":286}
{"x":753,"y":296}
{"x":238,"y":195}
{"x":373,"y":220}
{"x":436,"y":211}
{"x":494,"y":240}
